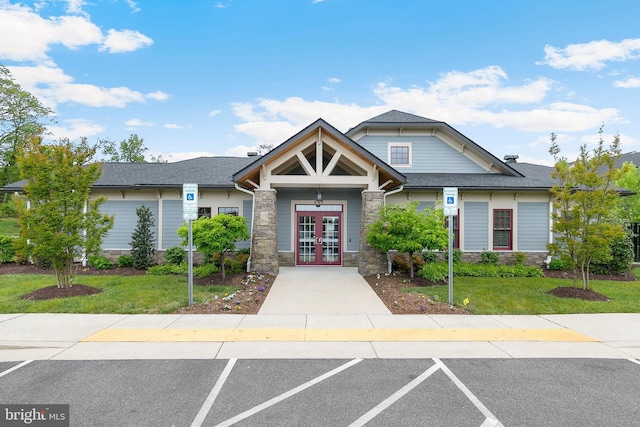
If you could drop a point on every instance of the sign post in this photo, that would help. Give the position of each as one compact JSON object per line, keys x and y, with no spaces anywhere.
{"x":189,"y":213}
{"x":450,"y":197}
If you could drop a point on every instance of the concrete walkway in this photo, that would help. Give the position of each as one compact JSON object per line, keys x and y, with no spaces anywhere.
{"x":321,"y":290}
{"x":226,"y":336}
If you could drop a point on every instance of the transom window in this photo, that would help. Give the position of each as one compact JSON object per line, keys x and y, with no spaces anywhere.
{"x":399,"y":154}
{"x":502,"y":229}
{"x":228,"y":211}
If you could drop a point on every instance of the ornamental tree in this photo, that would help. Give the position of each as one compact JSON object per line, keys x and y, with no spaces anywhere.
{"x":216,"y":235}
{"x":60,"y":223}
{"x":583,"y":216}
{"x":402,"y":228}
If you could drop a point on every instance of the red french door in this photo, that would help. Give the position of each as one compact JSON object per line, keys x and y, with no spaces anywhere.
{"x":318,"y":238}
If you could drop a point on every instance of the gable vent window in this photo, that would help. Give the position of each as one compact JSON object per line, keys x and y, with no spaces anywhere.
{"x":399,"y":154}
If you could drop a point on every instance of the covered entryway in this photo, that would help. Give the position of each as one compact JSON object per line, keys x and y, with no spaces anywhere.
{"x":318,"y":235}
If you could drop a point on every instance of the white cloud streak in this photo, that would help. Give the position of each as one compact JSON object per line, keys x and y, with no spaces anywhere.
{"x":593,"y":55}
{"x":124,"y":41}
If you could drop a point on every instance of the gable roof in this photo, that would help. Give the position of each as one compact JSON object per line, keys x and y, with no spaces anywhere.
{"x":253,"y":169}
{"x":401,"y":120}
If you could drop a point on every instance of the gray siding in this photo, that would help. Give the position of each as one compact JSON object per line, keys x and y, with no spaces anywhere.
{"x":171,"y":221}
{"x":476,"y":223}
{"x":429,"y":154}
{"x":533,"y":226}
{"x":125,"y":221}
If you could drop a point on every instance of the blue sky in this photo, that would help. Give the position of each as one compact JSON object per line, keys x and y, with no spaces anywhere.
{"x":202,"y":77}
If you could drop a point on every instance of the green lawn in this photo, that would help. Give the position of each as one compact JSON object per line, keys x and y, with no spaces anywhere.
{"x":9,"y":227}
{"x":529,"y":296}
{"x":121,"y":294}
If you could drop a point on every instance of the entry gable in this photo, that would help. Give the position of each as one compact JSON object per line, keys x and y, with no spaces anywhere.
{"x":319,"y":156}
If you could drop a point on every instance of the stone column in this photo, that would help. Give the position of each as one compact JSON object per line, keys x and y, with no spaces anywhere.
{"x":264,"y":241}
{"x":372,"y":260}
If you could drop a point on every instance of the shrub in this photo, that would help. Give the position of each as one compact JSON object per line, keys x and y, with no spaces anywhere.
{"x":165,"y":269}
{"x":457,"y":255}
{"x":99,"y":262}
{"x":233,"y":266}
{"x":557,"y":264}
{"x":125,"y":261}
{"x":8,"y":209}
{"x":205,"y":270}
{"x":434,"y":271}
{"x":622,"y":252}
{"x":174,"y":255}
{"x":6,"y":249}
{"x":519,"y":258}
{"x":489,"y":257}
{"x":429,"y":257}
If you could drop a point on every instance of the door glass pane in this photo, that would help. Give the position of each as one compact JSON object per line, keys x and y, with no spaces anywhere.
{"x":306,"y":238}
{"x":330,"y":239}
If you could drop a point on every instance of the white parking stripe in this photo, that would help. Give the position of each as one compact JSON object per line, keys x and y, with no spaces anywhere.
{"x":208,"y":403}
{"x":8,"y":371}
{"x":634,"y":361}
{"x":286,"y":395}
{"x":393,"y":398}
{"x":485,"y":411}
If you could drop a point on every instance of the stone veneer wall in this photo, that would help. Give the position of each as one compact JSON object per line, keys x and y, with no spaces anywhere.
{"x":372,"y":260}
{"x":264,"y":241}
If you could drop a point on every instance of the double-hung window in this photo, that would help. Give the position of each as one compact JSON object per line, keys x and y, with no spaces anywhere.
{"x":228,"y":211}
{"x":502,"y":229}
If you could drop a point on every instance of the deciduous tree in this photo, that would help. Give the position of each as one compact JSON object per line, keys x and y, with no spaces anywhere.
{"x":60,"y":223}
{"x":218,"y":234}
{"x":130,"y":150}
{"x":22,"y":115}
{"x":402,"y":228}
{"x":583,"y":218}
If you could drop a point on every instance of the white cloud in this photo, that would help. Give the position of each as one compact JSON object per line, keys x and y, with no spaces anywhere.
{"x":214,"y":113}
{"x":132,"y":123}
{"x":118,"y":41}
{"x":628,"y":83}
{"x":172,"y":126}
{"x":479,"y":97}
{"x":74,"y":129}
{"x":334,"y":80}
{"x":592,"y":55}
{"x":158,"y":95}
{"x":52,"y":86}
{"x":75,"y":6}
{"x":134,"y":6}
{"x":26,"y":36}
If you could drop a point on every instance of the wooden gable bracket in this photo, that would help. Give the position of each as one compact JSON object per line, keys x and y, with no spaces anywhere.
{"x":461,"y":195}
{"x":226,"y":192}
{"x":462,"y":147}
{"x":389,"y":181}
{"x":373,"y":172}
{"x":158,"y":194}
{"x":515,"y":196}
{"x":253,"y":183}
{"x":264,"y":171}
{"x":491,"y":195}
{"x":122,"y":193}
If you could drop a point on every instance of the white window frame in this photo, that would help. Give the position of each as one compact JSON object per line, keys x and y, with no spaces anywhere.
{"x":399,"y":144}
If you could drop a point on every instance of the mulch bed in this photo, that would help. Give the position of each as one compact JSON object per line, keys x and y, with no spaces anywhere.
{"x":51,"y":292}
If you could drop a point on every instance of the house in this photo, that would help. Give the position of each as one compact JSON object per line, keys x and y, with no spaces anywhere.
{"x":310,"y":200}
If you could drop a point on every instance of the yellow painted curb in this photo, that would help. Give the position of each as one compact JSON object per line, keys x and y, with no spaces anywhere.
{"x":354,"y":335}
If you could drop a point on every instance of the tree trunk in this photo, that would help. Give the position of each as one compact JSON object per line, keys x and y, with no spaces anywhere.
{"x":411,"y":265}
{"x":222,"y":264}
{"x":64,"y":274}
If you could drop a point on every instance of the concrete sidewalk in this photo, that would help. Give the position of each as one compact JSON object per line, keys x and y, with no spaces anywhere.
{"x":189,"y":336}
{"x":321,"y":290}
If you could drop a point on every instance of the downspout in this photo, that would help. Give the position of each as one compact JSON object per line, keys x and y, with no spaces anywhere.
{"x":384,"y":203}
{"x":388,"y":193}
{"x":253,"y":209}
